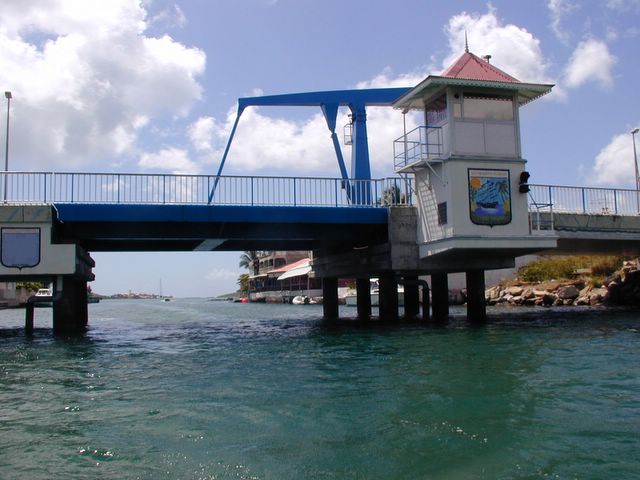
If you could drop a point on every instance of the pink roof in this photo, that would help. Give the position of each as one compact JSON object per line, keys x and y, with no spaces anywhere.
{"x":290,"y":266}
{"x":471,"y":67}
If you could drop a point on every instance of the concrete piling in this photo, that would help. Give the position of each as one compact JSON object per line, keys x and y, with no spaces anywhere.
{"x":330,"y":298}
{"x":363,"y":290}
{"x":411,"y":297}
{"x":476,"y":305}
{"x":440,"y":297}
{"x":388,"y":297}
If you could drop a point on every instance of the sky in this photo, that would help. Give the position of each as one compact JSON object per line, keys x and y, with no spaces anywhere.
{"x":151,"y":86}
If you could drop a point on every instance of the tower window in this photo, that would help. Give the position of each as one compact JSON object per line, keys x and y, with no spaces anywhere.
{"x":442,"y":213}
{"x":487,"y":107}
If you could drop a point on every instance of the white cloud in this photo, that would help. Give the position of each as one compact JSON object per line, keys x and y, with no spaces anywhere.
{"x":512,"y":48}
{"x":386,"y":79}
{"x":200,"y":133}
{"x":622,"y":5}
{"x":558,"y":9}
{"x":169,"y":17}
{"x":222,"y":274}
{"x":171,"y":159}
{"x":614,"y":164}
{"x":591,"y":61}
{"x":85,"y":79}
{"x":265,"y":145}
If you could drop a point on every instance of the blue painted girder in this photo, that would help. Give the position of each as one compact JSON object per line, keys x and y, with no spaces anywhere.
{"x":329,"y":101}
{"x":102,"y":227}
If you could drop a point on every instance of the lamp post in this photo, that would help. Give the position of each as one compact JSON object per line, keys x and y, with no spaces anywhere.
{"x":6,"y":149}
{"x":635,"y":166}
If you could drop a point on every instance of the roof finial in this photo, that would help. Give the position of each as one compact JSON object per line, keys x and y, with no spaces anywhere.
{"x":466,"y":42}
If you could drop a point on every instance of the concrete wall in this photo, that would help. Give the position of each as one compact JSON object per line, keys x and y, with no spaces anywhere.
{"x":36,"y":221}
{"x":450,"y":183}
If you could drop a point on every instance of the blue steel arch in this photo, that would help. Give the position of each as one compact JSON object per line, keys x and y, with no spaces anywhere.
{"x":329,"y":102}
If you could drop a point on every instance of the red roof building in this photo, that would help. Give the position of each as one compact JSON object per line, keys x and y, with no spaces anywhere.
{"x":471,"y":67}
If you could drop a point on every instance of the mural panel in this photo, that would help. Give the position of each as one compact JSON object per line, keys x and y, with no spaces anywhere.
{"x":489,"y":196}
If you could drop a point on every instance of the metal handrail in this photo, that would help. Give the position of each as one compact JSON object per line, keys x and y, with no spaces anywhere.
{"x":585,"y":200}
{"x":163,"y":189}
{"x":421,"y":143}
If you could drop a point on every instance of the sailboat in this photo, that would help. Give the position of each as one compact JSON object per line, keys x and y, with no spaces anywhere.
{"x":162,"y":297}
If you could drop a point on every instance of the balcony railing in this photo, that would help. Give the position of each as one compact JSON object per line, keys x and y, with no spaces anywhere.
{"x":119,"y":188}
{"x":421,"y":143}
{"x":587,"y":200}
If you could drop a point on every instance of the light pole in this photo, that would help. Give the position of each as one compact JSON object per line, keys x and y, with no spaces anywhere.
{"x":6,"y":149}
{"x":635,"y":166}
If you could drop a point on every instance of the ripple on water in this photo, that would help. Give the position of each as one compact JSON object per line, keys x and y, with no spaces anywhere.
{"x":212,"y":390}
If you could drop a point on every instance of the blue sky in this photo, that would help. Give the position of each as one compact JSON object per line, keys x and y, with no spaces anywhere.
{"x":151,"y":86}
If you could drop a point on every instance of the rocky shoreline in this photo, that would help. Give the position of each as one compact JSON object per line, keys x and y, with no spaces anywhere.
{"x":622,"y":288}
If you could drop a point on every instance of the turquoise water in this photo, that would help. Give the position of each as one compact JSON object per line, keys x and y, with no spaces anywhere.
{"x":192,"y":389}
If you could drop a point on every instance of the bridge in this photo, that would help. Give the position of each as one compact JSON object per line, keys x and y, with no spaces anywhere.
{"x":460,"y":201}
{"x":160,"y":212}
{"x":143,"y":212}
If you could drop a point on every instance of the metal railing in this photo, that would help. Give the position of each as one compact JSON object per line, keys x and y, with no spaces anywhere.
{"x":160,"y":189}
{"x":587,"y":200}
{"x":421,"y":143}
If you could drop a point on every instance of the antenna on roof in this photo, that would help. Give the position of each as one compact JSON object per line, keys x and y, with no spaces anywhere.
{"x":466,"y":42}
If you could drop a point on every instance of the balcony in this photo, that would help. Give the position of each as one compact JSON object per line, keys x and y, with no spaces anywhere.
{"x":419,"y":145}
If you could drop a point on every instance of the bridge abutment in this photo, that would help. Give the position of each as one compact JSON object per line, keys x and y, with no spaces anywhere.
{"x":70,"y":311}
{"x":32,"y":252}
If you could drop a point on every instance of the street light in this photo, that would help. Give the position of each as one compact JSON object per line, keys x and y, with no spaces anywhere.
{"x":6,"y":150}
{"x":635,"y":166}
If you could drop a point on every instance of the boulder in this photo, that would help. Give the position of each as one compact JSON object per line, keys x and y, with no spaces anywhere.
{"x":567,"y":292}
{"x":583,"y":300}
{"x":515,"y":291}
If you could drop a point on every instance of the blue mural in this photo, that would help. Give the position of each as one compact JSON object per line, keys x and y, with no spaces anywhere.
{"x":489,"y":197}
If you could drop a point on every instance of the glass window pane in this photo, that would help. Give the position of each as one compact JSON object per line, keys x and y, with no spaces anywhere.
{"x":488,"y":108}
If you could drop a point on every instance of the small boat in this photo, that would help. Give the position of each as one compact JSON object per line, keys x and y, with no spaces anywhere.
{"x":300,"y":300}
{"x":352,"y":299}
{"x":45,"y":295}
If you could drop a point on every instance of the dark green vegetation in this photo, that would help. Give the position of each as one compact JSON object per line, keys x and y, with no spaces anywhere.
{"x":565,"y":268}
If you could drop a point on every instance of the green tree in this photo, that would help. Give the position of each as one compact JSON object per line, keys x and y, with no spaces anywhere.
{"x":243,"y":282}
{"x":251,"y":261}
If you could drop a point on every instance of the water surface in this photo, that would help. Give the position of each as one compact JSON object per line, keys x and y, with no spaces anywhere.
{"x":192,"y":389}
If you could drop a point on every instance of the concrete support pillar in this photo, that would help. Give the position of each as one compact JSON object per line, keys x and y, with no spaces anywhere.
{"x":70,"y":313}
{"x":411,"y":298}
{"x":426,"y":303}
{"x":330,"y":298}
{"x":440,"y":297}
{"x":476,"y":306}
{"x":388,"y":297}
{"x":28,"y":319}
{"x":363,"y":290}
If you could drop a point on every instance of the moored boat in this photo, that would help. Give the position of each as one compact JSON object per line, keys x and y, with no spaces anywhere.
{"x":351,"y":299}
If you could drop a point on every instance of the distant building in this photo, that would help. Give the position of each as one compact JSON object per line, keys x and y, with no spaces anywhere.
{"x":284,"y":275}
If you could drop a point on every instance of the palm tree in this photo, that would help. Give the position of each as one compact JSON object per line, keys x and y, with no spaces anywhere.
{"x":243,"y":282}
{"x":251,"y":261}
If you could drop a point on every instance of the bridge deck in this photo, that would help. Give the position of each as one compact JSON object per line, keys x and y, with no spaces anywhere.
{"x":112,"y":211}
{"x":100,"y":227}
